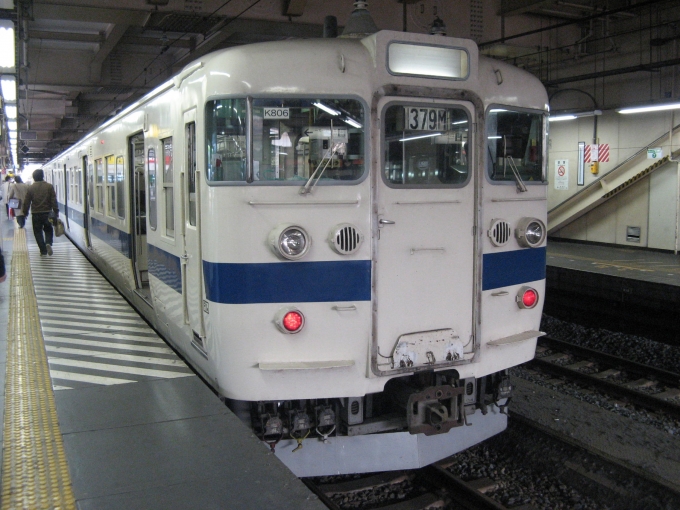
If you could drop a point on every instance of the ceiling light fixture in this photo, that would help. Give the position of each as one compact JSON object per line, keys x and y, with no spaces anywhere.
{"x":650,"y":108}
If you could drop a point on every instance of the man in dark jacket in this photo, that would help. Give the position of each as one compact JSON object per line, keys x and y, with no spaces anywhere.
{"x":42,"y":200}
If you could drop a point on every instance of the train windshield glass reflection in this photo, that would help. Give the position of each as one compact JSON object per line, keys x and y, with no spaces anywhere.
{"x":425,"y":146}
{"x":292,"y":139}
{"x":514,"y":142}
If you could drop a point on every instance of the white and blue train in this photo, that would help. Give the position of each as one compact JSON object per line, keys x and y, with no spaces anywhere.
{"x":345,"y":238}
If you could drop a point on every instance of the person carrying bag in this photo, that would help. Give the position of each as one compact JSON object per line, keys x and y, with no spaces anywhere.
{"x":41,"y":200}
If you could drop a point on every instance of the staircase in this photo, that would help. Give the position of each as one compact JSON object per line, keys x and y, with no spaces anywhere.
{"x":613,"y":182}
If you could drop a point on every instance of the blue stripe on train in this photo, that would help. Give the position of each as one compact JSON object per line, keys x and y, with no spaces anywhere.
{"x":288,"y":282}
{"x":513,"y":267}
{"x":166,"y":267}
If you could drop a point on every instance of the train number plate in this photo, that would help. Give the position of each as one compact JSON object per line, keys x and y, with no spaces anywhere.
{"x":425,"y":119}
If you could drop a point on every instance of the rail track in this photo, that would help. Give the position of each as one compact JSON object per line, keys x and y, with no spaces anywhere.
{"x":431,"y":487}
{"x":642,"y":385}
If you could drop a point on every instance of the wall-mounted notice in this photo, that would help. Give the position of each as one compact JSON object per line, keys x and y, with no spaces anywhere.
{"x":655,"y":153}
{"x":562,"y":174}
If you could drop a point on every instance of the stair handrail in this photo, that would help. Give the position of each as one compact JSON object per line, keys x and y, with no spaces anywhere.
{"x":626,"y":161}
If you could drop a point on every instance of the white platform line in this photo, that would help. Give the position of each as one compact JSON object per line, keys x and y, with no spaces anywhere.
{"x":84,"y":299}
{"x":165,"y":374}
{"x":85,"y":303}
{"x":100,"y":334}
{"x":99,"y":327}
{"x":66,"y":292}
{"x":86,"y":378}
{"x":80,"y":309}
{"x":109,"y":345}
{"x":95,"y":316}
{"x":178,"y":363}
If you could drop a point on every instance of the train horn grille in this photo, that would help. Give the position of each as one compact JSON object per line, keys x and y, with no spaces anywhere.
{"x":500,"y":232}
{"x":345,"y":239}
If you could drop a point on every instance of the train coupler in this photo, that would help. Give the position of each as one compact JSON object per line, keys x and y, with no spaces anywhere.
{"x":435,"y":410}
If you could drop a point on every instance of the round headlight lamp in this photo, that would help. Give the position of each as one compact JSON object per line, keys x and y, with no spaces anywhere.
{"x":530,"y":232}
{"x":289,"y":241}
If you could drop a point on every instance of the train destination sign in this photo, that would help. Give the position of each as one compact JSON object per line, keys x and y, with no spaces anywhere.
{"x":425,"y":119}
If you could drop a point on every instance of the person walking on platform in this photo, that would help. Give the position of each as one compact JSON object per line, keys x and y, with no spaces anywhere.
{"x":18,"y":190}
{"x":5,"y":191}
{"x":42,"y":200}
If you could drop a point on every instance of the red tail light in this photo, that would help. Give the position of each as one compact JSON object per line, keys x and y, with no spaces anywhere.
{"x":289,"y":320}
{"x":292,"y":321}
{"x":527,"y":297}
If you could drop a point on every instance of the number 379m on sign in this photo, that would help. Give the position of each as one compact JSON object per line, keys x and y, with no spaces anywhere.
{"x":425,"y":119}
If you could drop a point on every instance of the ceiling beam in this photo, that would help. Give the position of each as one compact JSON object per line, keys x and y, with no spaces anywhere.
{"x":230,"y":27}
{"x":515,"y":7}
{"x":65,"y":36}
{"x":112,"y":40}
{"x":90,"y":14}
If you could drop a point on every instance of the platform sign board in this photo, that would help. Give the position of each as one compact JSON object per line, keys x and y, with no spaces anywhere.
{"x":562,"y":174}
{"x":654,"y":153}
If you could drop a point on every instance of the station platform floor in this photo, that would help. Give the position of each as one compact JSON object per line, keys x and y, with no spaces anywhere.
{"x":616,"y":261}
{"x":99,"y":413}
{"x":632,"y":290}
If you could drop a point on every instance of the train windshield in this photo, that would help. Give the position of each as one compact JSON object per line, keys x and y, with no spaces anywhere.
{"x":514,"y":145}
{"x":426,"y":147}
{"x":293,"y":139}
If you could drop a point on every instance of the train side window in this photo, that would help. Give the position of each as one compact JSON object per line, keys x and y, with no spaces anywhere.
{"x":151,"y":172}
{"x":226,"y":139}
{"x":168,"y":188}
{"x":514,"y":145}
{"x":111,"y":186}
{"x":120,"y":187}
{"x":78,"y":197}
{"x":90,"y":185}
{"x":99,"y":171}
{"x":295,"y":139}
{"x":426,"y":147}
{"x":191,"y":170}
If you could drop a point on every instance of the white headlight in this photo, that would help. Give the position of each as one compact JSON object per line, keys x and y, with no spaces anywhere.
{"x":530,"y":232}
{"x":289,"y":241}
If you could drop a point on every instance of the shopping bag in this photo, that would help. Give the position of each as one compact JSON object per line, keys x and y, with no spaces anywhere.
{"x":11,"y":212}
{"x":14,"y":203}
{"x":58,"y":227}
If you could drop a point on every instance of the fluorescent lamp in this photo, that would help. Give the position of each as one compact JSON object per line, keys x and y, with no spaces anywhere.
{"x":495,"y":137}
{"x":497,"y":110}
{"x":327,"y":109}
{"x":352,"y":122}
{"x":7,"y":44}
{"x":559,"y":118}
{"x":12,"y":125}
{"x":419,"y":137}
{"x":9,"y":89}
{"x":651,"y":108}
{"x":460,"y":122}
{"x":11,"y":111}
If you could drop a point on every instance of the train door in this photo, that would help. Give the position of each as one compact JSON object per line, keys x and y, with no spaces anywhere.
{"x":425,"y":253}
{"x":192,"y":284}
{"x":87,"y":198}
{"x":138,"y":214}
{"x":65,"y":183}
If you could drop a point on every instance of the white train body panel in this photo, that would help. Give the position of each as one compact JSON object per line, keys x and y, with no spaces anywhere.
{"x":177,"y":199}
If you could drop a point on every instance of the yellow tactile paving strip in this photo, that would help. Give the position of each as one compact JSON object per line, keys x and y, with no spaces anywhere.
{"x":34,"y":469}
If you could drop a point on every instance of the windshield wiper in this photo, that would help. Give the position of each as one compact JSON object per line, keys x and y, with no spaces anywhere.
{"x":521,"y":187}
{"x":328,"y":157}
